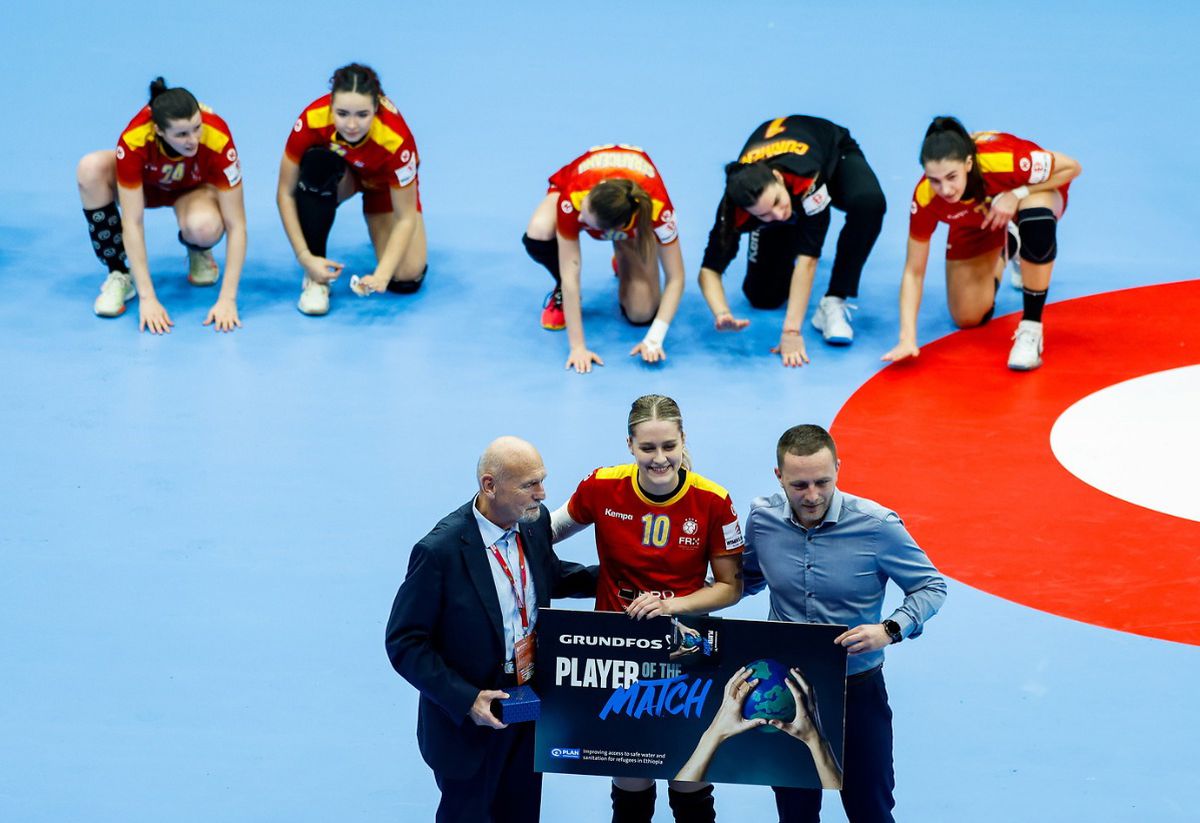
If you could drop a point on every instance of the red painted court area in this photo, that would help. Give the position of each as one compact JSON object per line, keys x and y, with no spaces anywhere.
{"x":960,"y":446}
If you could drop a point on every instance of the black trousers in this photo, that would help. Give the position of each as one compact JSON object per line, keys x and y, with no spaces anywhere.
{"x":505,"y":789}
{"x":868,"y":779}
{"x":853,"y":189}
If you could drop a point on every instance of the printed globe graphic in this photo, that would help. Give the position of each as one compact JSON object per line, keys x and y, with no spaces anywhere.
{"x":770,"y":699}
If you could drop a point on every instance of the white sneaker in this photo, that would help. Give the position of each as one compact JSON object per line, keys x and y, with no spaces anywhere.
{"x":1014,"y":261}
{"x":202,"y":268}
{"x":114,"y":294}
{"x":314,"y":298}
{"x":832,"y":319}
{"x":1026,"y":354}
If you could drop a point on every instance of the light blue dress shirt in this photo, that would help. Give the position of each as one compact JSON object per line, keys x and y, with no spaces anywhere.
{"x":837,"y":571}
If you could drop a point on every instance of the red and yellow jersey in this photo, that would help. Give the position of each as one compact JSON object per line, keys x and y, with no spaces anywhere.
{"x":1007,"y":162}
{"x":388,"y":152}
{"x":145,"y":161}
{"x":574,"y":180}
{"x":645,"y":546}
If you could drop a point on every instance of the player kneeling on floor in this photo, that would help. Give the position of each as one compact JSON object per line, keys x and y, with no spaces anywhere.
{"x":979,"y":183}
{"x":348,"y":141}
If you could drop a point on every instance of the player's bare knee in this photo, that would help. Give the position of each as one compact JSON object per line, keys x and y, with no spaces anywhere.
{"x":203,"y":230}
{"x":93,"y":171}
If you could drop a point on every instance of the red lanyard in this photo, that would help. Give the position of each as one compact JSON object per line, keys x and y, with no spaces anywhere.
{"x":519,"y":595}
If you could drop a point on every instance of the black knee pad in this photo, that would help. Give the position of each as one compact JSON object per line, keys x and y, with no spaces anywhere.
{"x":321,"y":171}
{"x":544,"y":252}
{"x":408,"y":286}
{"x":1039,"y":235}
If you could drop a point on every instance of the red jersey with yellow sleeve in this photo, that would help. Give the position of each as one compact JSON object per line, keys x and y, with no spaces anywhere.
{"x":385,"y":158}
{"x":574,"y":180}
{"x":1007,"y":162}
{"x":145,"y":161}
{"x":647,"y":546}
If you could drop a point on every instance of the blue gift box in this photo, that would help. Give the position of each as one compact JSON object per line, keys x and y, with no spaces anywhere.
{"x":522,"y":705}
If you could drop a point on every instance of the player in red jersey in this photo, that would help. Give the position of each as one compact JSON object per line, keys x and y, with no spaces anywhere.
{"x":352,"y":139}
{"x":659,"y":528}
{"x":612,"y":192}
{"x":978,"y":183}
{"x":176,"y":153}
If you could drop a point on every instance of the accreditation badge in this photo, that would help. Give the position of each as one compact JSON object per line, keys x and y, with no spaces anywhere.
{"x":523,"y":653}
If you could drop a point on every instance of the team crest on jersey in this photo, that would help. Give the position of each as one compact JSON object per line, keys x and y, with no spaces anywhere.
{"x":299,"y":125}
{"x":1024,"y":164}
{"x":405,"y":156}
{"x":120,"y":152}
{"x":912,"y":207}
{"x":566,"y":206}
{"x":690,"y":526}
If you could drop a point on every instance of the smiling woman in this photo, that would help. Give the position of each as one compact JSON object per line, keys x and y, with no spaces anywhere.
{"x":987,"y":186}
{"x":350,"y":140}
{"x":660,"y":527}
{"x":175,"y":152}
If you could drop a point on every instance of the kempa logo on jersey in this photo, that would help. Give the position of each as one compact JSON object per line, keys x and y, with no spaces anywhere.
{"x":569,"y":754}
{"x":616,"y":642}
{"x":618,"y":515}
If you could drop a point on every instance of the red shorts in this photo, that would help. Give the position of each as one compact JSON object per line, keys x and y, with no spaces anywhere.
{"x":963,"y":243}
{"x":377,"y":194}
{"x":156,"y":198}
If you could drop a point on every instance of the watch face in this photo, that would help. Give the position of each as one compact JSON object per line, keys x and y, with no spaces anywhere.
{"x":892,"y":628}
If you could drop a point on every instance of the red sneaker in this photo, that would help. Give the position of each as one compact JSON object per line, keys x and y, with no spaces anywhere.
{"x":553,"y":318}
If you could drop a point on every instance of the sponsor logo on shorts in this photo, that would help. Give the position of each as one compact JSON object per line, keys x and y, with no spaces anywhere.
{"x":564,"y":753}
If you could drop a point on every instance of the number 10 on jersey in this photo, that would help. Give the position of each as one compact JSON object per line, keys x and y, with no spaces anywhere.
{"x":656,"y":530}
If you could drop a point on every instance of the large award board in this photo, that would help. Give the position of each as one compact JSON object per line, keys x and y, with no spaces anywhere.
{"x":634,"y":698}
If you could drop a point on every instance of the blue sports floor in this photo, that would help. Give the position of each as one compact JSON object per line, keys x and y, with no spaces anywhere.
{"x":201,"y":534}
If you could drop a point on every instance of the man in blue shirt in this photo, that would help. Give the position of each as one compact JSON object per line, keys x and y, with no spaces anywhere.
{"x":826,"y":557}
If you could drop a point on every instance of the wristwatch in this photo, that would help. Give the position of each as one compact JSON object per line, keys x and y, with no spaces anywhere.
{"x":893,"y":630}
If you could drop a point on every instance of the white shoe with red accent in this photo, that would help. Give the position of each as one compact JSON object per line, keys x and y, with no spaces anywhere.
{"x":117,"y":290}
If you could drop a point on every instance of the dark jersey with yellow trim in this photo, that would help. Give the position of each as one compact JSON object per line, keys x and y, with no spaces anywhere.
{"x":806,"y":151}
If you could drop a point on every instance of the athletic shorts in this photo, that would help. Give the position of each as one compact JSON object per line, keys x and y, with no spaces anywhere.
{"x":963,"y":243}
{"x":377,"y":194}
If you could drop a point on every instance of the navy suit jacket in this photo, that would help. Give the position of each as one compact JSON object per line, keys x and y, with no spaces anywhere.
{"x":446,"y":634}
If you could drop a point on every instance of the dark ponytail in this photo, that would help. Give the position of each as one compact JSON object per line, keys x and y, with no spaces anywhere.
{"x":616,"y":202}
{"x":947,"y":139}
{"x":359,"y":79}
{"x":167,"y":104}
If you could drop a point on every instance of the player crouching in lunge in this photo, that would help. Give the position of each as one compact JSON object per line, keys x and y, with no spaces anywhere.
{"x":977,"y":184}
{"x":175,"y":152}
